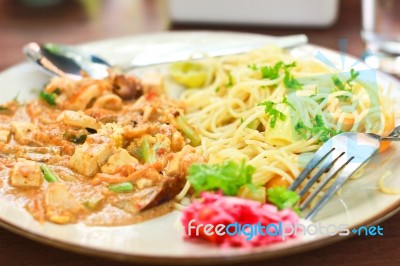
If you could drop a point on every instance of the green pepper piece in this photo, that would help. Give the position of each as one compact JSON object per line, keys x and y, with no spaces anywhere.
{"x":48,"y":174}
{"x":121,"y":187}
{"x":146,"y":152}
{"x":49,"y":98}
{"x":188,"y":131}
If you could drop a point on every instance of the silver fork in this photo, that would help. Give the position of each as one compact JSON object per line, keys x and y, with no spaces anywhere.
{"x":339,"y":158}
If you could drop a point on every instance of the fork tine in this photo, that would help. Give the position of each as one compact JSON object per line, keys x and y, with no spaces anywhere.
{"x":337,"y":166}
{"x":347,"y":171}
{"x":321,"y":154}
{"x":326,"y":164}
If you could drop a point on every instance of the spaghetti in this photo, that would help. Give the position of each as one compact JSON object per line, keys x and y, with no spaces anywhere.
{"x":274,"y":110}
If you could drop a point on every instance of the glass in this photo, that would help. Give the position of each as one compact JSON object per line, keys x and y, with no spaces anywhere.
{"x":381,"y":34}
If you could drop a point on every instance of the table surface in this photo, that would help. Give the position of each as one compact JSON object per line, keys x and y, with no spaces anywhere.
{"x":70,"y":23}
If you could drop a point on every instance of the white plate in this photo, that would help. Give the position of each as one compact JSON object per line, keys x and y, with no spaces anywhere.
{"x":160,"y":240}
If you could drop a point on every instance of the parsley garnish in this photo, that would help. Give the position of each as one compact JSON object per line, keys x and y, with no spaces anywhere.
{"x":49,"y":98}
{"x":283,"y":198}
{"x":271,"y":72}
{"x":273,"y":112}
{"x":318,"y":128}
{"x":285,"y":100}
{"x":341,"y":86}
{"x":290,"y":82}
{"x":252,"y":67}
{"x":227,"y":177}
{"x":353,"y":75}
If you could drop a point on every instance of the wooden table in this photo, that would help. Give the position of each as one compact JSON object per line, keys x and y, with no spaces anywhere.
{"x":69,"y":23}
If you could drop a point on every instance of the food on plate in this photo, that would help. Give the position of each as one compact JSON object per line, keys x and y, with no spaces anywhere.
{"x":104,"y":152}
{"x":120,"y":150}
{"x":261,"y":116}
{"x":274,"y":110}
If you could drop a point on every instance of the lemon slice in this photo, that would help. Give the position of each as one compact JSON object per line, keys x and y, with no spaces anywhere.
{"x":189,"y":74}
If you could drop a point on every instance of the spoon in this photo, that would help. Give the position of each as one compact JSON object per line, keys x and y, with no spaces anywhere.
{"x":68,"y":61}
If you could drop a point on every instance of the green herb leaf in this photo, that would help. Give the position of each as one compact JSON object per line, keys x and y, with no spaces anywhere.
{"x":227,"y":177}
{"x":282,"y":198}
{"x":318,"y":128}
{"x":291,"y":83}
{"x":273,"y":112}
{"x":272,"y":72}
{"x":353,"y":76}
{"x":49,"y":98}
{"x":285,"y":100}
{"x":269,"y":72}
{"x":341,"y":86}
{"x":252,"y":67}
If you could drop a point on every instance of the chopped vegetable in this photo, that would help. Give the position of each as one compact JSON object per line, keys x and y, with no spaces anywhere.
{"x":230,"y":80}
{"x":272,"y":72}
{"x":77,"y":138}
{"x":3,"y":108}
{"x":282,"y":198}
{"x":290,"y":82}
{"x":227,"y":177}
{"x":145,"y":153}
{"x":121,"y":187}
{"x":319,"y":128}
{"x":188,"y":131}
{"x":341,"y":86}
{"x":252,"y":67}
{"x":49,"y":98}
{"x":273,"y":112}
{"x":48,"y":174}
{"x":57,"y":91}
{"x":189,"y":74}
{"x":285,"y":100}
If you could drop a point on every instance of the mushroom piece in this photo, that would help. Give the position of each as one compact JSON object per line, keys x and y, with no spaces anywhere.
{"x":127,"y":87}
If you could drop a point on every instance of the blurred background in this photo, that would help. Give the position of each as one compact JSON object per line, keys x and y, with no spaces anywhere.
{"x":324,"y":22}
{"x":77,"y":21}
